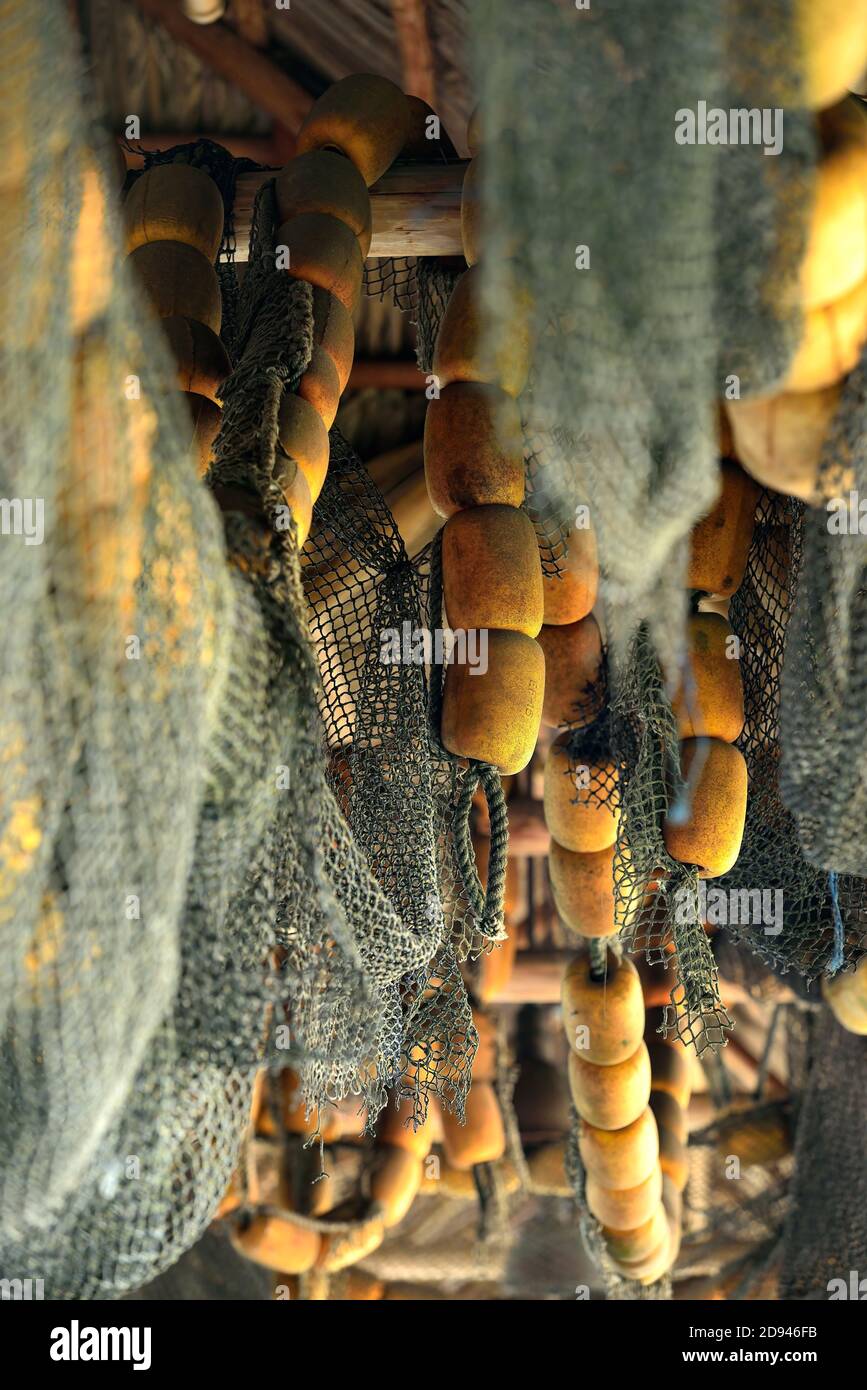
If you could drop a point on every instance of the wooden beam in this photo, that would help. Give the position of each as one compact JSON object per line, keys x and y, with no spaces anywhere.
{"x":416,"y":210}
{"x":386,"y":376}
{"x":416,"y":54}
{"x":248,"y":17}
{"x":413,"y":514}
{"x":394,"y":467}
{"x":266,"y":85}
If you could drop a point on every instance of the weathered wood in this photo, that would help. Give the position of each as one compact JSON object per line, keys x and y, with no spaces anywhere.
{"x":251,"y":21}
{"x":266,"y":85}
{"x":529,"y":836}
{"x":416,"y":210}
{"x":416,"y":53}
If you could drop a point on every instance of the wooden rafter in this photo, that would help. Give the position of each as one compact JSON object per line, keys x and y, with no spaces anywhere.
{"x":261,"y":81}
{"x":416,"y":53}
{"x":385,"y":375}
{"x":248,"y":18}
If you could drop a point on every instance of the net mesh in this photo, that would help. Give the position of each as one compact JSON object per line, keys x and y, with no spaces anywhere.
{"x":435,"y":284}
{"x":824,"y":784}
{"x":620,"y":409}
{"x":822,"y":925}
{"x":198,"y":872}
{"x":394,"y":278}
{"x":824,"y":917}
{"x":133,"y":633}
{"x":628,"y":366}
{"x":825,"y":1236}
{"x":739,"y":1192}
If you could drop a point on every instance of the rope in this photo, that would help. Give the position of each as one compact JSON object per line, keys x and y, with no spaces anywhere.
{"x":486,"y":904}
{"x":837,"y":958}
{"x":598,"y":948}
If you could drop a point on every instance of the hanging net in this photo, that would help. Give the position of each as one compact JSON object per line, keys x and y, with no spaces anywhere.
{"x":825,"y":1236}
{"x":225,"y":837}
{"x":824,"y":782}
{"x":660,"y":273}
{"x":657,"y":270}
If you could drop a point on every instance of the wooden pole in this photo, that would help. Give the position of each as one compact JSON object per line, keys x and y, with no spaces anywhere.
{"x":416,"y":210}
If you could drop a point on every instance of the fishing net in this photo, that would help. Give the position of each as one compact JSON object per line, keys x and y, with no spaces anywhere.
{"x":655,"y":270}
{"x":657,"y":277}
{"x":753,"y":1228}
{"x":547,"y":461}
{"x":823,"y":921}
{"x":824,"y":781}
{"x":739,"y":1193}
{"x":210,"y":858}
{"x":435,"y":284}
{"x":132,"y":632}
{"x":405,"y":801}
{"x":628,"y":366}
{"x":394,"y":278}
{"x":794,"y":914}
{"x":825,"y":1237}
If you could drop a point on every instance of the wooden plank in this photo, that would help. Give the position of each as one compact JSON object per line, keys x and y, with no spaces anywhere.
{"x":416,"y":210}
